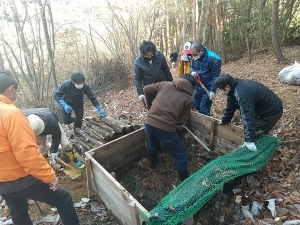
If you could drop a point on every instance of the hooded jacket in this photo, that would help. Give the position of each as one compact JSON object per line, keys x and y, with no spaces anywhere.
{"x":254,"y":100}
{"x":51,"y":125}
{"x":146,"y":73}
{"x":21,"y":162}
{"x":72,"y":95}
{"x":172,"y":105}
{"x":208,"y":67}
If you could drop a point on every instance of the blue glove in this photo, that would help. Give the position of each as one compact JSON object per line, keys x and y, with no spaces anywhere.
{"x":67,"y":108}
{"x":100,"y":111}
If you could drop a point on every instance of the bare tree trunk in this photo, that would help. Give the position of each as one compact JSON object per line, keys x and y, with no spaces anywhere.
{"x":207,"y":11}
{"x":48,"y":43}
{"x":220,"y":29}
{"x":274,"y":32}
{"x":194,"y":16}
{"x":183,"y":6}
{"x":261,"y":24}
{"x":1,"y":62}
{"x":200,"y":17}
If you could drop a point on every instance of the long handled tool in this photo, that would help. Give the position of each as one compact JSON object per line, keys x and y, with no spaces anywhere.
{"x":70,"y":168}
{"x":198,"y":140}
{"x":202,"y":85}
{"x":145,"y":105}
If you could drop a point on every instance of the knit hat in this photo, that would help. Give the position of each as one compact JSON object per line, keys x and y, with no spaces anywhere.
{"x":187,"y":47}
{"x":36,"y":123}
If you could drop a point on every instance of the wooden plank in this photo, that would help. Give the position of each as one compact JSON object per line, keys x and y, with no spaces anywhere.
{"x":115,"y":196}
{"x":213,"y":125}
{"x":230,"y":133}
{"x":121,"y":147}
{"x":88,"y":176}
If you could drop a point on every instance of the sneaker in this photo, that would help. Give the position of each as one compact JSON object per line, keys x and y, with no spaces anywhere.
{"x":80,"y":165}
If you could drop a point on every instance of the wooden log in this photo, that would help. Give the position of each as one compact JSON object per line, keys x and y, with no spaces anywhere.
{"x":237,"y":210}
{"x":222,"y":209}
{"x":84,"y":147}
{"x":105,"y":134}
{"x":88,"y":138}
{"x":103,"y":125}
{"x":112,"y":122}
{"x":128,"y":125}
{"x":217,"y":205}
{"x":96,"y":136}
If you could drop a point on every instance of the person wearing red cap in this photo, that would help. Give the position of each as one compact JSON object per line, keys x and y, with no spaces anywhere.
{"x":186,"y":59}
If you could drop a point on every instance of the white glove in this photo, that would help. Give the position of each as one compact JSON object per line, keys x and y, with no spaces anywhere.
{"x":194,"y":74}
{"x":212,"y":95}
{"x":53,"y":155}
{"x":250,"y":145}
{"x":180,"y":127}
{"x":141,"y":97}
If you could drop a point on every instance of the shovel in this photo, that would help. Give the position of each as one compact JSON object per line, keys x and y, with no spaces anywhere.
{"x":202,"y":85}
{"x":70,"y":167}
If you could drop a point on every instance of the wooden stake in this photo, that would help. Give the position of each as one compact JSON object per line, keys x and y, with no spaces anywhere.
{"x":237,"y":210}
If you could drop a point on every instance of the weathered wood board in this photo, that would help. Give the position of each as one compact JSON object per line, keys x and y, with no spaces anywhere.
{"x":117,"y":155}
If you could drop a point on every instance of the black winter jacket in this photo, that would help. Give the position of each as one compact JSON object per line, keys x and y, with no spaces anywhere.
{"x":254,"y":100}
{"x":146,"y":73}
{"x":72,"y":95}
{"x":51,"y":125}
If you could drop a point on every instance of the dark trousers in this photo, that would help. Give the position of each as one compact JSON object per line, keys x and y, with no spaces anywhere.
{"x":266,"y":124}
{"x":170,"y":141}
{"x":78,"y":110}
{"x":40,"y":191}
{"x":201,"y":101}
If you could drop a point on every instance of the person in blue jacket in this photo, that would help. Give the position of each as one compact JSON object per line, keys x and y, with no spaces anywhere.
{"x":149,"y":68}
{"x":70,"y":96}
{"x":206,"y":66}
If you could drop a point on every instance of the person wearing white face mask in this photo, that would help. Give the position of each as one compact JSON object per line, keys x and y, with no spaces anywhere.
{"x":260,"y":108}
{"x":70,"y":96}
{"x":207,"y":66}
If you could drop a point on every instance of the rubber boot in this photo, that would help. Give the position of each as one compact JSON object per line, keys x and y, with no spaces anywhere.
{"x":72,"y":156}
{"x":183,"y":174}
{"x":154,"y":160}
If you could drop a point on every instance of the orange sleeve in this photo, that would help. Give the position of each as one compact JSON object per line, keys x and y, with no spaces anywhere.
{"x":24,"y":147}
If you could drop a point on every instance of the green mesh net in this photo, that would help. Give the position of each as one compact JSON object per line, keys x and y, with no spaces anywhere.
{"x":188,"y":197}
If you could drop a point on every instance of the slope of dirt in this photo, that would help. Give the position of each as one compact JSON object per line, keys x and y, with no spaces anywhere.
{"x":279,"y":179}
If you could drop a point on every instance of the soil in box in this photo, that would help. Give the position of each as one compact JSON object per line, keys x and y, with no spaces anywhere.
{"x":149,"y":186}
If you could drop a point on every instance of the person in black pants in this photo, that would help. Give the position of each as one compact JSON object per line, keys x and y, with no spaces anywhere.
{"x":70,"y":96}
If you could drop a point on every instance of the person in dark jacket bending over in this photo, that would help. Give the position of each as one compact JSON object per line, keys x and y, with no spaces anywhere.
{"x":260,"y":108}
{"x":206,"y":66}
{"x":43,"y":122}
{"x":70,"y":96}
{"x":170,"y":110}
{"x":149,"y":68}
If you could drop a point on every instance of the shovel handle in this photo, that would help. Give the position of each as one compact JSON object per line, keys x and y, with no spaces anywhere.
{"x":198,"y":140}
{"x":145,"y":105}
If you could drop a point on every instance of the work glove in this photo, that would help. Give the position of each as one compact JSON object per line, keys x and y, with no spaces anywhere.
{"x":101,"y":111}
{"x":194,"y":74}
{"x":180,"y":127}
{"x":53,"y":155}
{"x":250,"y":145}
{"x":67,"y":108}
{"x":212,"y":95}
{"x":141,"y":97}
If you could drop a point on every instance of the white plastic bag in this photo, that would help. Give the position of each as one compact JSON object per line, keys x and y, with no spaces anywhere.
{"x":290,"y":74}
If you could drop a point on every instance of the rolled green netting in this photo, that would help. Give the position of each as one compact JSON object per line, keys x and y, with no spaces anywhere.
{"x":188,"y":197}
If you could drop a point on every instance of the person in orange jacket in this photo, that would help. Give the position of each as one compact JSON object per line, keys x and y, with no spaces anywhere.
{"x":186,"y":59}
{"x":25,"y":173}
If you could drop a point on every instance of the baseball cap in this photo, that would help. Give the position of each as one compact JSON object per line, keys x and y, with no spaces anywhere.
{"x":187,"y":47}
